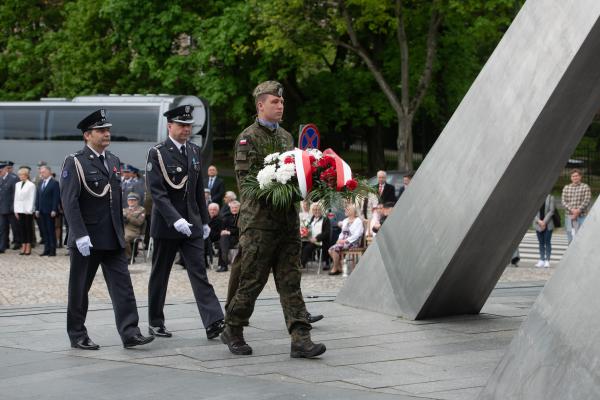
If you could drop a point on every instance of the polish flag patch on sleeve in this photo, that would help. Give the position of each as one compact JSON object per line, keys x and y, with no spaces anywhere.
{"x":243,"y":141}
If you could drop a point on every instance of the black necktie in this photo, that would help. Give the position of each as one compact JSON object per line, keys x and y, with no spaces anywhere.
{"x":101,"y":158}
{"x":182,"y":149}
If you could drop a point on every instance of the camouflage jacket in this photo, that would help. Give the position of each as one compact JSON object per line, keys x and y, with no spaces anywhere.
{"x":134,"y":220}
{"x":249,"y":155}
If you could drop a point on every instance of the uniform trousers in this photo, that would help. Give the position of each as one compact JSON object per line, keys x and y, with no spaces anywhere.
{"x":48,"y":229}
{"x":192,"y":251}
{"x":264,"y":251}
{"x":8,"y":222}
{"x":120,"y":289}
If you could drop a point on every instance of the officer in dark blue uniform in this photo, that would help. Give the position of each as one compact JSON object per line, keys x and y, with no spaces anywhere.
{"x":8,"y":221}
{"x":179,"y":222}
{"x":90,"y":187}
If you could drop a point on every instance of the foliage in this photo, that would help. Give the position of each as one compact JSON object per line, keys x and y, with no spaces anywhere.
{"x":220,"y":49}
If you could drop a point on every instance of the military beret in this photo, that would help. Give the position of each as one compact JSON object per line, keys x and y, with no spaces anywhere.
{"x":133,"y":195}
{"x":10,"y":163}
{"x":268,"y":87}
{"x":134,"y":169}
{"x":181,"y":114}
{"x":95,"y":120}
{"x":126,"y":168}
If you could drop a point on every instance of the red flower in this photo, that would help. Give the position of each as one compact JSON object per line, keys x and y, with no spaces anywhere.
{"x":288,"y":160}
{"x":311,"y":159}
{"x":351,"y":184}
{"x":326,"y":162}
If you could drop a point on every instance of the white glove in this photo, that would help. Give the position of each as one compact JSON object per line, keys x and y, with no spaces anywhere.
{"x":205,"y":231}
{"x":182,"y":226}
{"x":83,"y":245}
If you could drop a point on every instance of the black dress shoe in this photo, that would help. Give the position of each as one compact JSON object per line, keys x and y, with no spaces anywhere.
{"x":215,"y":329}
{"x":159,"y":331}
{"x":52,"y":255}
{"x":85,"y":343}
{"x":137,"y":340}
{"x":43,"y":254}
{"x":222,"y":269}
{"x":16,"y":246}
{"x":313,"y":318}
{"x":334,"y":273}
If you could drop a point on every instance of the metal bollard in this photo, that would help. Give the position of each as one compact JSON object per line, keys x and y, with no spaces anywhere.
{"x":345,"y":267}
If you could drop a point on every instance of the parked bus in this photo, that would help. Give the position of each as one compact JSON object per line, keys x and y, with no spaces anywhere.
{"x":31,"y":131}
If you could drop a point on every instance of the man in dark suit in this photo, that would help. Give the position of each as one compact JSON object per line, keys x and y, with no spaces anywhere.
{"x":387,"y":193}
{"x":179,"y":222}
{"x":90,"y":188}
{"x":405,"y":182}
{"x":215,"y":222}
{"x":46,"y":209}
{"x":215,"y":184}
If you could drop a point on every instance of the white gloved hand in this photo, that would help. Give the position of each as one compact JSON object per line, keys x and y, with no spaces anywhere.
{"x":83,"y":245}
{"x":182,"y":226}
{"x":205,"y":231}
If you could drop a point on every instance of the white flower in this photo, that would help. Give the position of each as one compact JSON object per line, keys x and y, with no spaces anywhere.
{"x":266,"y":176}
{"x":271,"y":158}
{"x":283,"y":156}
{"x":285,"y":173}
{"x":315,"y":153}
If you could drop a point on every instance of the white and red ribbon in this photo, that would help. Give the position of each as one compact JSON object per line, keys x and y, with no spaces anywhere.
{"x":303,"y":169}
{"x":344,"y":173}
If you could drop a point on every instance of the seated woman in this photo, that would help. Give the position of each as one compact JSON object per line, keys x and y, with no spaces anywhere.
{"x":352,"y":232}
{"x":320,"y":230}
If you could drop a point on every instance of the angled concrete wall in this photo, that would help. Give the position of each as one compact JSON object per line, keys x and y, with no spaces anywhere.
{"x":556,"y":353}
{"x":451,"y":234}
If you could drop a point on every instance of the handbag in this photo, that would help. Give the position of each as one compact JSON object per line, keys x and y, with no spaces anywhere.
{"x":556,"y":218}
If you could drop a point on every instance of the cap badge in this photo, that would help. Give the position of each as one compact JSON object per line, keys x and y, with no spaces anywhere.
{"x":187,"y":109}
{"x":179,"y":169}
{"x":102,"y":113}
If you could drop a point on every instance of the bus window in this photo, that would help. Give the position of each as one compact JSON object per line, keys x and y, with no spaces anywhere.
{"x":62,"y":122}
{"x":22,"y":124}
{"x":129,"y":124}
{"x":137,"y":125}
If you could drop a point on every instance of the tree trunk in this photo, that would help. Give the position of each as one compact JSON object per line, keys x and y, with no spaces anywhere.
{"x":375,"y":154}
{"x":404,"y":143}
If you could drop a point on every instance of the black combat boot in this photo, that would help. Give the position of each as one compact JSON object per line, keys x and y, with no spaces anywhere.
{"x":233,"y":337}
{"x":303,"y":347}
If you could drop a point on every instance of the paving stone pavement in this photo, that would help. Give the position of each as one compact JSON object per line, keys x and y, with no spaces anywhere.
{"x":369,"y":356}
{"x":28,"y":280}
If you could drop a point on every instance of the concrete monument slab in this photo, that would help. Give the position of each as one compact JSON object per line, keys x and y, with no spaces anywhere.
{"x":453,"y":231}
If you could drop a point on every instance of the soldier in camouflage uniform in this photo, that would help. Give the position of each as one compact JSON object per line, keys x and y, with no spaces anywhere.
{"x":270,"y":239}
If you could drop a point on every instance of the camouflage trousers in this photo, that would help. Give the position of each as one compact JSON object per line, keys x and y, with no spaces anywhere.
{"x":261,"y":252}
